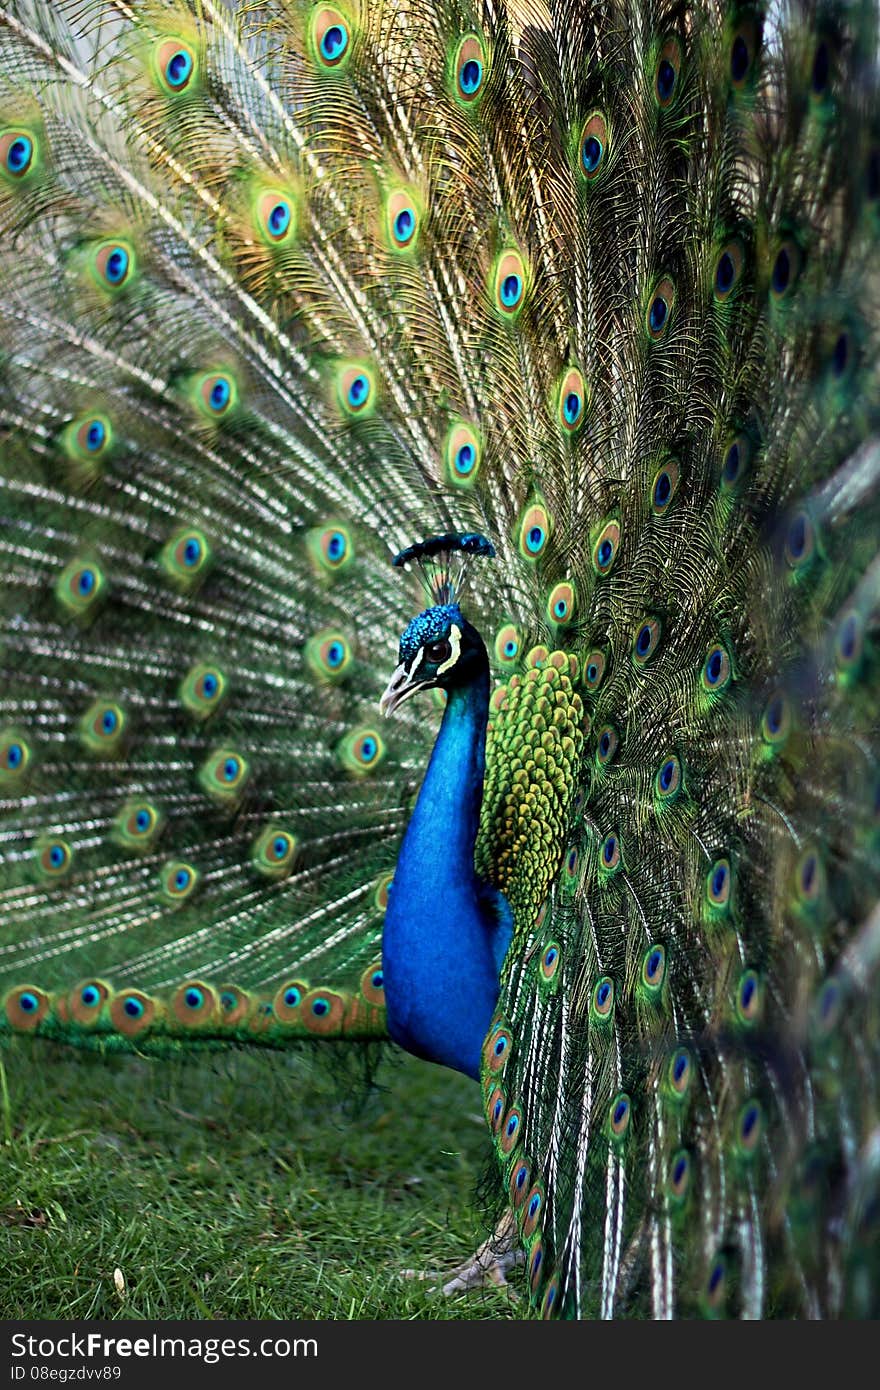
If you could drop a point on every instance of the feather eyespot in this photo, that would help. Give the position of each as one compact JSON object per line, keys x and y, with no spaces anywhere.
{"x":571,"y":400}
{"x":602,"y":1000}
{"x":607,"y":743}
{"x":217,"y":394}
{"x":194,"y":1004}
{"x":809,"y":878}
{"x":533,"y":1206}
{"x":550,"y":961}
{"x":619,"y":1115}
{"x":667,"y":72}
{"x":469,"y":70}
{"x":223,"y":777}
{"x":177,"y":881}
{"x":534,"y":532}
{"x":536,"y":1262}
{"x":401,"y":220}
{"x":463,"y":453}
{"x":561,"y":603}
{"x":571,"y":862}
{"x":776,"y":720}
{"x":786,"y":269}
{"x":203,"y":690}
{"x":749,"y":997}
{"x":609,"y":854}
{"x":18,"y":150}
{"x":593,"y":146}
{"x":800,"y":541}
{"x":664,"y":486}
{"x":654,"y":969}
{"x":276,"y":217}
{"x":718,"y":883}
{"x":496,"y":1105}
{"x":26,"y":1007}
{"x":508,"y":1135}
{"x":647,"y":640}
{"x":668,"y":779}
{"x":331,"y":548}
{"x":331,"y":35}
{"x":15,"y":755}
{"x":329,"y":655}
{"x":680,"y":1073}
{"x":114,"y":264}
{"x":507,"y":643}
{"x":728,"y":270}
{"x":273,"y":852}
{"x":659,"y":309}
{"x":750,"y":1125}
{"x":362,"y":752}
{"x":186,"y":558}
{"x":518,"y":1186}
{"x":827,"y":1008}
{"x":594,"y":670}
{"x":137,"y":826}
{"x":88,"y":438}
{"x":176,"y":63}
{"x":54,"y":856}
{"x":606,"y":547}
{"x":849,"y":641}
{"x":509,"y":283}
{"x":679,"y":1176}
{"x":716,"y":672}
{"x":734,"y":465}
{"x":744,"y":48}
{"x":102,"y":727}
{"x":496,"y":1048}
{"x":356,"y":390}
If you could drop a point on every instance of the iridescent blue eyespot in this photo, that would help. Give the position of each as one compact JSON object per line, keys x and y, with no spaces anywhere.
{"x":358,"y":391}
{"x":179,"y":68}
{"x":658,"y":312}
{"x":535,"y":539}
{"x":14,"y":755}
{"x":231,"y":768}
{"x":280,"y":845}
{"x":279,"y":218}
{"x":465,"y":459}
{"x":209,"y":684}
{"x":320,"y":1007}
{"x":19,"y":155}
{"x":292,"y":997}
{"x":511,"y":290}
{"x":368,"y":749}
{"x":28,"y":1003}
{"x":56,"y":856}
{"x":404,"y":223}
{"x":334,"y":42}
{"x":116,"y":265}
{"x":193,"y":998}
{"x":90,"y":996}
{"x":133,"y":1007}
{"x":591,"y":154}
{"x":377,"y":979}
{"x":665,"y":80}
{"x":335,"y":654}
{"x":142,"y":821}
{"x":336,"y":546}
{"x":572,"y":407}
{"x":86,"y":581}
{"x":95,"y":436}
{"x":471,"y":76}
{"x":192,"y":552}
{"x":220,"y":394}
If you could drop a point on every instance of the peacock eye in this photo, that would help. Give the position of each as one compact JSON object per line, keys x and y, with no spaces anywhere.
{"x":438,"y":652}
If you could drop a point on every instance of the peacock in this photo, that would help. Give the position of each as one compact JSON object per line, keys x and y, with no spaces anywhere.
{"x":517,"y":359}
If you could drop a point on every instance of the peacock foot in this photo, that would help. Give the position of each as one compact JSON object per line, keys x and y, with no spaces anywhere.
{"x":488,"y":1267}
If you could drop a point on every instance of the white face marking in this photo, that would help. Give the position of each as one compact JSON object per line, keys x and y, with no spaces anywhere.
{"x":455,"y":643}
{"x":417,"y":661}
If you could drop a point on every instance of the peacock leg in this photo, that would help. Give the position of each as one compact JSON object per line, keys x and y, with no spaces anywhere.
{"x":489,"y":1265}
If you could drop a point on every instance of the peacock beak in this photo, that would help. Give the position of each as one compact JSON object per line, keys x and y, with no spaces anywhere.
{"x":402,"y":684}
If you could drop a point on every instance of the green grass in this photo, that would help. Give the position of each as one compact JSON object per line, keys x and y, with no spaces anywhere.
{"x":235,"y":1185}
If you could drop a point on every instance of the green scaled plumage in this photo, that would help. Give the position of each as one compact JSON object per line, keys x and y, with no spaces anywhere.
{"x":284,"y":288}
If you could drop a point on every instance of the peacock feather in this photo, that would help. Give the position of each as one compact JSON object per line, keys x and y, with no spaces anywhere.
{"x":573,"y":308}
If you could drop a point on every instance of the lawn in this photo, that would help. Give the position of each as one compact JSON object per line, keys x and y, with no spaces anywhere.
{"x":235,"y":1185}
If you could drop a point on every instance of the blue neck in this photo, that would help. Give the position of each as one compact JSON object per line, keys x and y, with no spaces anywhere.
{"x":446,"y":931}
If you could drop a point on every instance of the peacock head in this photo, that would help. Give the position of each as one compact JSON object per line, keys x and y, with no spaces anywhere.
{"x":439,"y":648}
